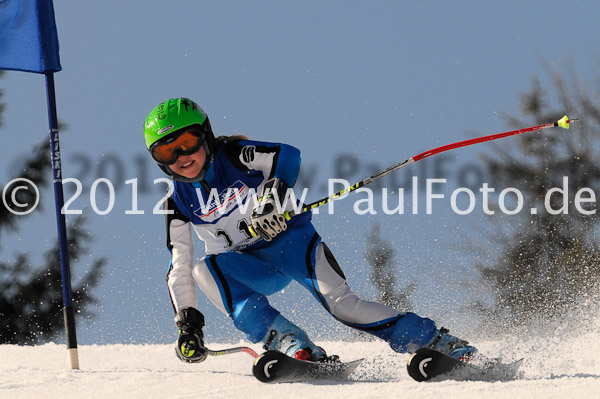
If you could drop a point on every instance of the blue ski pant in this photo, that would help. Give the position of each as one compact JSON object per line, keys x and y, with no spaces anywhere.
{"x":239,"y":282}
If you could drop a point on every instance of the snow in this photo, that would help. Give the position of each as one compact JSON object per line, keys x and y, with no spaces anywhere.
{"x":552,"y":369}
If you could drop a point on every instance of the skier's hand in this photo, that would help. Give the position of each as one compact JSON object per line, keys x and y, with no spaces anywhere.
{"x":267,"y":221}
{"x":190,"y":345}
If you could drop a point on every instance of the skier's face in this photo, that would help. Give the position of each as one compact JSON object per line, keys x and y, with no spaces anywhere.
{"x":189,"y":165}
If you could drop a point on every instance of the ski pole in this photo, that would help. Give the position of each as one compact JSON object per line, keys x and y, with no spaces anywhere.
{"x":229,"y":351}
{"x":563,"y":122}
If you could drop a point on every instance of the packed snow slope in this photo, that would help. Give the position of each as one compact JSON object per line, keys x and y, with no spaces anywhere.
{"x":553,"y":368}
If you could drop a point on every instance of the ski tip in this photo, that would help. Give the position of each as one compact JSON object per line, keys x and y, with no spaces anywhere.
{"x":266,"y":367}
{"x":274,"y":366}
{"x":429,"y":365}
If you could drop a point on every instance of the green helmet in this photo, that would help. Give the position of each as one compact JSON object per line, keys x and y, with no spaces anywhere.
{"x":172,"y":117}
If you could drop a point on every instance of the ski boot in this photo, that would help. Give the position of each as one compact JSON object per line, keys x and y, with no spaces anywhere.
{"x":452,"y":346}
{"x":285,"y":337}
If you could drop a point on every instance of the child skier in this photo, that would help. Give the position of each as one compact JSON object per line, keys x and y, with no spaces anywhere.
{"x":253,"y":252}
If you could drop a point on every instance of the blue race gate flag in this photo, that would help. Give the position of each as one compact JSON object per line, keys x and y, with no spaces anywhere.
{"x":28,"y":38}
{"x":29,"y":43}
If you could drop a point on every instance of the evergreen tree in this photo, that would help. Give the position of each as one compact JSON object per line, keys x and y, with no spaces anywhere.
{"x":380,"y":256}
{"x":31,"y":299}
{"x":550,"y":260}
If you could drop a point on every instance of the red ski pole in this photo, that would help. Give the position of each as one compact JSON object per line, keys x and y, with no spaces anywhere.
{"x":228,"y":351}
{"x":563,"y":122}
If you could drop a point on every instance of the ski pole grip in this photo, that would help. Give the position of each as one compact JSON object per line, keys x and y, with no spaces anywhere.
{"x":286,"y":215}
{"x":251,"y":230}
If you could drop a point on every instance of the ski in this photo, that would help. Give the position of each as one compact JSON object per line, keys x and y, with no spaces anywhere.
{"x":429,"y":365}
{"x":273,"y":366}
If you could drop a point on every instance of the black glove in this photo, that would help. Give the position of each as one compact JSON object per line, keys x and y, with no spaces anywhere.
{"x":190,"y":345}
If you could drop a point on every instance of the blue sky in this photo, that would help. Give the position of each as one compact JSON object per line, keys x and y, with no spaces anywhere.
{"x":378,"y":81}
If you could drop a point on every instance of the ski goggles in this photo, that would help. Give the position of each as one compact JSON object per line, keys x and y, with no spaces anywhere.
{"x":185,"y":143}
